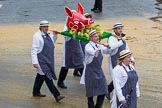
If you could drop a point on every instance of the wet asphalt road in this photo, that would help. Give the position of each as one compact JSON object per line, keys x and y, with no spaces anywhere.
{"x":18,"y":93}
{"x":26,"y":11}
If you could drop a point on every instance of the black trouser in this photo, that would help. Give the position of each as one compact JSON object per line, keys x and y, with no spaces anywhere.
{"x":39,"y":82}
{"x":99,"y":102}
{"x":62,"y":75}
{"x":110,"y":87}
{"x":79,"y":69}
{"x":98,"y":4}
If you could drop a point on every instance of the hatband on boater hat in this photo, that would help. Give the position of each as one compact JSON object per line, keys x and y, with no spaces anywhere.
{"x":117,"y":25}
{"x":92,"y":32}
{"x":44,"y":23}
{"x":124,"y":53}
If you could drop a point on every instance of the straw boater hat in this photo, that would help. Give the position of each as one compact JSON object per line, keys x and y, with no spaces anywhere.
{"x":117,"y":25}
{"x":92,"y":33}
{"x":44,"y":23}
{"x":124,"y":54}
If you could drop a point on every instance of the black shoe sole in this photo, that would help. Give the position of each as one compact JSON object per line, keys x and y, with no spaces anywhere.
{"x":97,"y":11}
{"x":63,"y":87}
{"x":58,"y":100}
{"x":39,"y":95}
{"x":93,"y":9}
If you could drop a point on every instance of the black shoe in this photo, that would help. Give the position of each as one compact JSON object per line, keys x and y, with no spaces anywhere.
{"x":39,"y":95}
{"x":76,"y":74}
{"x":93,"y":9}
{"x":108,"y":96}
{"x":59,"y":98}
{"x":62,"y":86}
{"x":97,"y":11}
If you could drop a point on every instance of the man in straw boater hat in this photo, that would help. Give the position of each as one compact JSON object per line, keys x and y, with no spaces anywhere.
{"x":93,"y":75}
{"x":117,"y":45}
{"x":125,"y":80}
{"x":43,"y":60}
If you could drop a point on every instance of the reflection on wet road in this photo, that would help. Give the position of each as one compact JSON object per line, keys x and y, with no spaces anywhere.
{"x":24,"y":11}
{"x":16,"y":72}
{"x":158,"y":7}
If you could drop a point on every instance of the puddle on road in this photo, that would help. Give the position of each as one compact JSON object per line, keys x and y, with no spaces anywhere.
{"x":158,"y":19}
{"x":158,"y":7}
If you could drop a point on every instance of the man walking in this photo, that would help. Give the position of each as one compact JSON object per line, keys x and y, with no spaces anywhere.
{"x":43,"y":60}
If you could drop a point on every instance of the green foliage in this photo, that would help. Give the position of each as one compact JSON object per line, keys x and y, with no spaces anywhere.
{"x":84,"y":37}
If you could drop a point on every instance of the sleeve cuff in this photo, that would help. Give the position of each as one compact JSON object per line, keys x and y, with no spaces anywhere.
{"x":34,"y":61}
{"x":121,"y":98}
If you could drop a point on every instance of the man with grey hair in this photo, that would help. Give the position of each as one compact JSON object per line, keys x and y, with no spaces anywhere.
{"x":43,"y":60}
{"x":95,"y":81}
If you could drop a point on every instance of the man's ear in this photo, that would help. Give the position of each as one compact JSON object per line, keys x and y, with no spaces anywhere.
{"x":90,"y":38}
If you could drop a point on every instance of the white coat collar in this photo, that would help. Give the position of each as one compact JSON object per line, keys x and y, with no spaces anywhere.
{"x":129,"y":67}
{"x":92,"y":43}
{"x":124,"y":65}
{"x":43,"y":34}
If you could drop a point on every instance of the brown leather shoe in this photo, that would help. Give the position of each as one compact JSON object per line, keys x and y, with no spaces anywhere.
{"x":59,"y":98}
{"x":39,"y":95}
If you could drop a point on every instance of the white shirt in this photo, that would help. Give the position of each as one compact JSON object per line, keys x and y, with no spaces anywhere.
{"x":37,"y":46}
{"x":90,"y":50}
{"x":119,"y":79}
{"x":66,"y":38}
{"x":115,"y":44}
